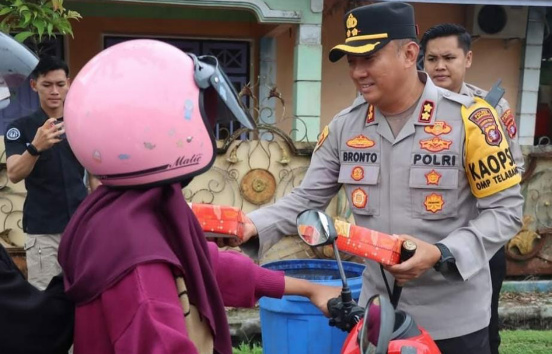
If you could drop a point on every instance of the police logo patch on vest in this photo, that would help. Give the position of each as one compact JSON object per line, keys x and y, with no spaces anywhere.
{"x":438,"y":128}
{"x":13,"y":134}
{"x":510,"y":123}
{"x":360,"y":142}
{"x":426,"y":112}
{"x":433,"y":177}
{"x":434,"y":202}
{"x":357,"y":173}
{"x":359,"y":198}
{"x":484,"y":119}
{"x":490,"y":168}
{"x":322,"y":138}
{"x":435,"y":144}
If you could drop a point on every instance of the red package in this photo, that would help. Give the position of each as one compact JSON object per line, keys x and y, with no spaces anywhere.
{"x":359,"y":241}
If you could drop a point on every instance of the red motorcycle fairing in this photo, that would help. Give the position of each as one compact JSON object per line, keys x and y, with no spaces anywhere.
{"x":351,"y":346}
{"x":423,"y":343}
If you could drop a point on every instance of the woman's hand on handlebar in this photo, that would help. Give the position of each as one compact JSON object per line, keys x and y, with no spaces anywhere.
{"x":318,"y":294}
{"x":425,"y":258}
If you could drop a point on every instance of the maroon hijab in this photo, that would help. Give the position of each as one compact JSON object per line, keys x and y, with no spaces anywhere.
{"x":114,"y":230}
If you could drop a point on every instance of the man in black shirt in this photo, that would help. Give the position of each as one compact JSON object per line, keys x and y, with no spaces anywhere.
{"x":31,"y":321}
{"x":37,"y":152}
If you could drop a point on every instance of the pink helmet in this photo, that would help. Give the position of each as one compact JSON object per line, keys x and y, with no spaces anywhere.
{"x":138,"y":113}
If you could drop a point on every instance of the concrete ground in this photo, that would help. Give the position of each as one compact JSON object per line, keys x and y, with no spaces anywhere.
{"x":523,"y":305}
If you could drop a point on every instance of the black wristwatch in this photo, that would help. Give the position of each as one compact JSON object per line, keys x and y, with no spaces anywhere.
{"x":33,"y":150}
{"x":447,"y":261}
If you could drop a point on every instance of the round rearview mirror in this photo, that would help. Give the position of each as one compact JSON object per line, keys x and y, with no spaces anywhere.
{"x":379,"y":319}
{"x":316,"y":228}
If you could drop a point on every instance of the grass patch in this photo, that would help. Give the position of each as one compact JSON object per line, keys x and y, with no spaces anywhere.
{"x":513,"y":342}
{"x":526,"y":342}
{"x":245,"y":348}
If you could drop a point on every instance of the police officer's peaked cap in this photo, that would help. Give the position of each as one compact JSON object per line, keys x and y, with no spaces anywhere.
{"x":369,"y":28}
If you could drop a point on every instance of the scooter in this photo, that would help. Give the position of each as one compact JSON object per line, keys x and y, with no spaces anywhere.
{"x":379,"y":328}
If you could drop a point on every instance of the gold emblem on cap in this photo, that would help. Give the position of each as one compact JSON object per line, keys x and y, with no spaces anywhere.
{"x":351,"y":21}
{"x":351,"y":24}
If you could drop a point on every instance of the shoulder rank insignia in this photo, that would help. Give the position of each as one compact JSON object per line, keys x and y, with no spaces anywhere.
{"x":490,"y":166}
{"x":322,"y":137}
{"x":370,"y":114}
{"x":510,"y":123}
{"x":360,"y":142}
{"x":426,"y":112}
{"x":438,"y":128}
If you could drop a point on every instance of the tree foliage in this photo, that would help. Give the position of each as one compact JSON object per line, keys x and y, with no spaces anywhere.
{"x":34,"y":19}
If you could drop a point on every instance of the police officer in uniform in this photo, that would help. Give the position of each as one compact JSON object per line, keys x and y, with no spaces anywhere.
{"x":447,"y":56}
{"x":418,"y":161}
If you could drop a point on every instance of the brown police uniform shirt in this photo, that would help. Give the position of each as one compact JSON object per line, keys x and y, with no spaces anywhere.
{"x":417,"y":183}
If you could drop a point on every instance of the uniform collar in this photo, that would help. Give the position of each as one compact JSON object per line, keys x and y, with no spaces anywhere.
{"x":424,"y":113}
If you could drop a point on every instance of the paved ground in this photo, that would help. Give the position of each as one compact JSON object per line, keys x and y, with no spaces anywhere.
{"x":526,"y":310}
{"x":517,"y":310}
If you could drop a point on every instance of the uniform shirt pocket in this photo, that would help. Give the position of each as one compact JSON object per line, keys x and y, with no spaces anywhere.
{"x":361,"y":186}
{"x":434,"y":192}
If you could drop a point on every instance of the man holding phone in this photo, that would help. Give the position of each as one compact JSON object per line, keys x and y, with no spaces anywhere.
{"x":37,"y":152}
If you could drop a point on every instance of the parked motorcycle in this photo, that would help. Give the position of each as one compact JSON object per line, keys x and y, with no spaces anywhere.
{"x":379,"y":328}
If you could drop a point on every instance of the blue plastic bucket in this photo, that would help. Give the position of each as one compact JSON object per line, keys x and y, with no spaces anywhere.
{"x":292,"y":325}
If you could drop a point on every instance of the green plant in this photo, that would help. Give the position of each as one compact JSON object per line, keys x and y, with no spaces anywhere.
{"x":33,"y":19}
{"x":245,"y":348}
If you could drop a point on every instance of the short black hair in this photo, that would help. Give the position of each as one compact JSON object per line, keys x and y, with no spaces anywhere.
{"x":446,"y":30}
{"x":47,"y":64}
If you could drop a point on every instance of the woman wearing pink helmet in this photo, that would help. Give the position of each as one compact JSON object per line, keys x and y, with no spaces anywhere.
{"x":134,"y":256}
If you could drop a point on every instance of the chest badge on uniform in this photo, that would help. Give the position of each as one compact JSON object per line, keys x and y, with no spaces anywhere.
{"x":359,"y":198}
{"x":357,"y":173}
{"x":434,"y":202}
{"x":322,"y":137}
{"x":484,"y":119}
{"x":435,"y":144}
{"x":510,"y":123}
{"x":433,"y":177}
{"x":360,"y":142}
{"x":426,"y":112}
{"x":438,"y":128}
{"x":370,"y":114}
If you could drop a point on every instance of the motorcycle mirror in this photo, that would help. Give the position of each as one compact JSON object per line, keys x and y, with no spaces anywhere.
{"x":316,"y":228}
{"x":377,"y":329}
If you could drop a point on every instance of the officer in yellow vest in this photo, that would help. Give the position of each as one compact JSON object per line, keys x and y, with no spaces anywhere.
{"x":418,"y":161}
{"x":447,"y":56}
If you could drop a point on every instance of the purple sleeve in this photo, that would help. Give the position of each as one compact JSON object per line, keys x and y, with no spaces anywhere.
{"x":144,"y":314}
{"x":241,"y":281}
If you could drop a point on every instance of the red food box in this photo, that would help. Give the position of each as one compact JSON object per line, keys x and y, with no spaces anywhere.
{"x":359,"y":241}
{"x":220,"y":221}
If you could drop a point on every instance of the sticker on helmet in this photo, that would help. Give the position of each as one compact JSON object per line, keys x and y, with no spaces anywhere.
{"x":188,"y":109}
{"x":97,"y":156}
{"x":124,"y":156}
{"x":149,"y":146}
{"x":13,"y":134}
